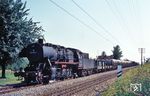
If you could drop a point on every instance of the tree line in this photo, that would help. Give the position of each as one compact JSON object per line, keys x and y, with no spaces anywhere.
{"x":116,"y":53}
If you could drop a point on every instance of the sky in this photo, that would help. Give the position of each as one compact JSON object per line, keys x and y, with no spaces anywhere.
{"x":114,"y":22}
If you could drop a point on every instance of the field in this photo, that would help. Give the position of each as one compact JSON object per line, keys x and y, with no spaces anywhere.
{"x":10,"y":78}
{"x":135,"y":82}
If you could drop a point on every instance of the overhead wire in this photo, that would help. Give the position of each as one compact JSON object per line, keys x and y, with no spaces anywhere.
{"x":131,"y":13}
{"x":133,"y":20}
{"x":127,"y":30}
{"x":115,"y":14}
{"x":92,"y":18}
{"x":138,"y":17}
{"x":118,"y":15}
{"x":121,"y":17}
{"x":88,"y":26}
{"x":134,"y":13}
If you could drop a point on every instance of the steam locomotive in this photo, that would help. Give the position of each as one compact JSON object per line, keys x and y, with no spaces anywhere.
{"x":54,"y":62}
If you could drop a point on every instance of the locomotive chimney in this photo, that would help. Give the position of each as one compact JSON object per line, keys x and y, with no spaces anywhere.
{"x":40,"y":41}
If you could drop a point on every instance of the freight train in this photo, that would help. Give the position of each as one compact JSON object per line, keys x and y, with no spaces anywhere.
{"x":54,"y":62}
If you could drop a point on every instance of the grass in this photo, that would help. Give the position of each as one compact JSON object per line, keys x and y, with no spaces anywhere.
{"x":10,"y":78}
{"x":139,"y":75}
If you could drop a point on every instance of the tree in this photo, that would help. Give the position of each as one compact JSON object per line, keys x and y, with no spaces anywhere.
{"x":4,"y":57}
{"x":147,"y":60}
{"x":117,"y":53}
{"x":103,"y":55}
{"x":16,"y":30}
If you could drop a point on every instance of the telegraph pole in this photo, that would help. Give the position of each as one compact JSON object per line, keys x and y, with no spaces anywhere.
{"x":142,"y":50}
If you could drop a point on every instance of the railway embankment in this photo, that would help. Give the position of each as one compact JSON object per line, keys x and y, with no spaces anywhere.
{"x":84,"y":86}
{"x":135,"y":82}
{"x":64,"y":88}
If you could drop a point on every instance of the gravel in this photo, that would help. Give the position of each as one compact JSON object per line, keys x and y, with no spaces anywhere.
{"x":97,"y":89}
{"x":45,"y":89}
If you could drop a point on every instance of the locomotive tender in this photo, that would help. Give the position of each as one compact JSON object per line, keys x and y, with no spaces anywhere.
{"x":49,"y":62}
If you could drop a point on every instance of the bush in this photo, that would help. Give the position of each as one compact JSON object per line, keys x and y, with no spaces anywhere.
{"x":20,"y":63}
{"x":121,"y":87}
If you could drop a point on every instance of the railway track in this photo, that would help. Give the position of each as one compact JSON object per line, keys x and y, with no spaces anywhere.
{"x":70,"y":90}
{"x":16,"y":87}
{"x":6,"y":90}
{"x":66,"y":90}
{"x":21,"y":86}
